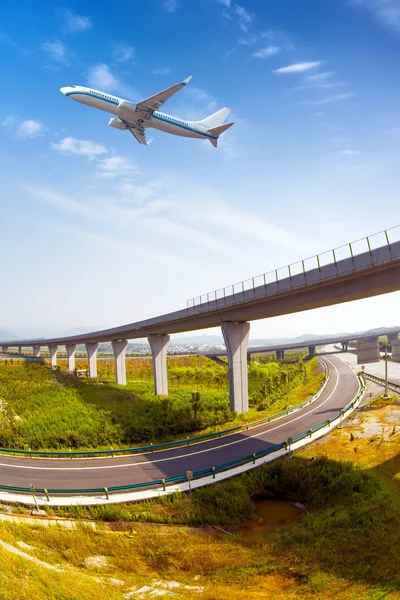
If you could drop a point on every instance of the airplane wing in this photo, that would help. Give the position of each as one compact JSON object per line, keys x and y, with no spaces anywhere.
{"x":155,"y":102}
{"x":139,"y":133}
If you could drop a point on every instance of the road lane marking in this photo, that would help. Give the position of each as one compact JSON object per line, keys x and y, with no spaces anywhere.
{"x":177,"y":457}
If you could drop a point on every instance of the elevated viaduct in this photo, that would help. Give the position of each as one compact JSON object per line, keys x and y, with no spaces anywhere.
{"x":368,"y":267}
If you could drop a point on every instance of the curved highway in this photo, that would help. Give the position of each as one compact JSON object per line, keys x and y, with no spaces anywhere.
{"x":67,"y":474}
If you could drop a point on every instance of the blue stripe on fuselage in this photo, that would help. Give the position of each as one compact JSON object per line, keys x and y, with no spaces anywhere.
{"x":93,"y":95}
{"x":161,"y":117}
{"x":156,"y":115}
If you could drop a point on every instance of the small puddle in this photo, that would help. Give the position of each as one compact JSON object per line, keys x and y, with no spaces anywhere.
{"x":276,"y":513}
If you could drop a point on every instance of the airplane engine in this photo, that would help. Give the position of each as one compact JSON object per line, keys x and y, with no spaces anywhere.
{"x":117,"y":124}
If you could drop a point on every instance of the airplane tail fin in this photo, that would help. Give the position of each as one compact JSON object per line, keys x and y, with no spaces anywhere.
{"x":216,"y":119}
{"x":217,"y":132}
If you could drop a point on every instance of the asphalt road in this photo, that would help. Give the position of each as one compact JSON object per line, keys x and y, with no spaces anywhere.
{"x":67,"y":473}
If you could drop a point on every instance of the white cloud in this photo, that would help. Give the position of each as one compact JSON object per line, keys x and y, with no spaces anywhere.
{"x":336,"y":98}
{"x":123,"y":52}
{"x":226,"y":3}
{"x":387,"y":12}
{"x":299,"y":67}
{"x":162,"y":71}
{"x":117,"y":166}
{"x":9,"y":121}
{"x":56,"y":50}
{"x":320,"y":76}
{"x":349,"y":152}
{"x":170,"y":5}
{"x":245,"y":18}
{"x":328,"y":86}
{"x":71,"y":145}
{"x":30,"y":129}
{"x":76,"y":23}
{"x":266,"y":52}
{"x":101,"y":76}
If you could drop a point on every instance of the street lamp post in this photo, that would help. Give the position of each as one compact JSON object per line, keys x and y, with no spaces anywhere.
{"x":386,"y":394}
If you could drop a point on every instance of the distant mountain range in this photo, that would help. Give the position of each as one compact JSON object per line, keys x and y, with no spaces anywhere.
{"x":203,"y":339}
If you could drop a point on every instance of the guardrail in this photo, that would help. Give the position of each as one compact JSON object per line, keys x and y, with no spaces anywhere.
{"x":307,"y":271}
{"x":166,"y":445}
{"x":212,"y":471}
{"x":393,"y":386}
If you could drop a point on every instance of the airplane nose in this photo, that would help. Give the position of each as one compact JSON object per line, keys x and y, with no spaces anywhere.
{"x":64,"y":90}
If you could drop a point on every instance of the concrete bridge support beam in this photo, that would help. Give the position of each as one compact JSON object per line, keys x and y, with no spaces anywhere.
{"x":236,"y":336}
{"x":396,"y":350}
{"x":280,"y":355}
{"x":36,"y":351}
{"x":71,"y":349}
{"x":4,"y":349}
{"x":159,"y":347}
{"x":119,"y":348}
{"x":392,"y":337}
{"x":311,"y":351}
{"x":368,"y":351}
{"x":53,"y":356}
{"x":91,"y":350}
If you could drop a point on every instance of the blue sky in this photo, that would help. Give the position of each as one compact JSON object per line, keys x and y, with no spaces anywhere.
{"x":97,"y":230}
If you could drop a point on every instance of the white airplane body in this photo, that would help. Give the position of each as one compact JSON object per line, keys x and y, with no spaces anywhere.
{"x":138,"y":117}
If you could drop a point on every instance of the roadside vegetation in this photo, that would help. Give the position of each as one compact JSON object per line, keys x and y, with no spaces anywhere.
{"x":215,"y":546}
{"x":345,"y":547}
{"x":45,"y":409}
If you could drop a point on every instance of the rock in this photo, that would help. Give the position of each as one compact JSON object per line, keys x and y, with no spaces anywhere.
{"x":116,"y":581}
{"x":97,"y":562}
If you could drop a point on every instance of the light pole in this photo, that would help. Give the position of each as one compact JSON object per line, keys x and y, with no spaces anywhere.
{"x":386,"y":395}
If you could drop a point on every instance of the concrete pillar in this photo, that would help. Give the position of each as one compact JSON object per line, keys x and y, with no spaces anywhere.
{"x":53,"y":355}
{"x":119,"y":348}
{"x":36,"y":351}
{"x":280,"y":355}
{"x":20,"y":350}
{"x":71,"y":349}
{"x":159,"y":347}
{"x":396,"y":350}
{"x":345,"y":346}
{"x":311,"y":351}
{"x":4,"y":349}
{"x":236,"y":336}
{"x":392,"y":337}
{"x":368,"y":351}
{"x":91,"y":350}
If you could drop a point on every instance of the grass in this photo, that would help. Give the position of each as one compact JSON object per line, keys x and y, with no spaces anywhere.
{"x":44,"y":409}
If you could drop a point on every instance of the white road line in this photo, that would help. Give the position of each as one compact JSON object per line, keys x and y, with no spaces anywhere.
{"x":151,"y":462}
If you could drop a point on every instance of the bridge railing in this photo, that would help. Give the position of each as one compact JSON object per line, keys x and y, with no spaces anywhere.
{"x":393,"y":386}
{"x":376,"y":249}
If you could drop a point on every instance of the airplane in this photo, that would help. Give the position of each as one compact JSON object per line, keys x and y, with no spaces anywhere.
{"x":136,"y":118}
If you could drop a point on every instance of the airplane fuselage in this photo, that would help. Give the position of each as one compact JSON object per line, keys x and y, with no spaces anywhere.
{"x":157,"y":120}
